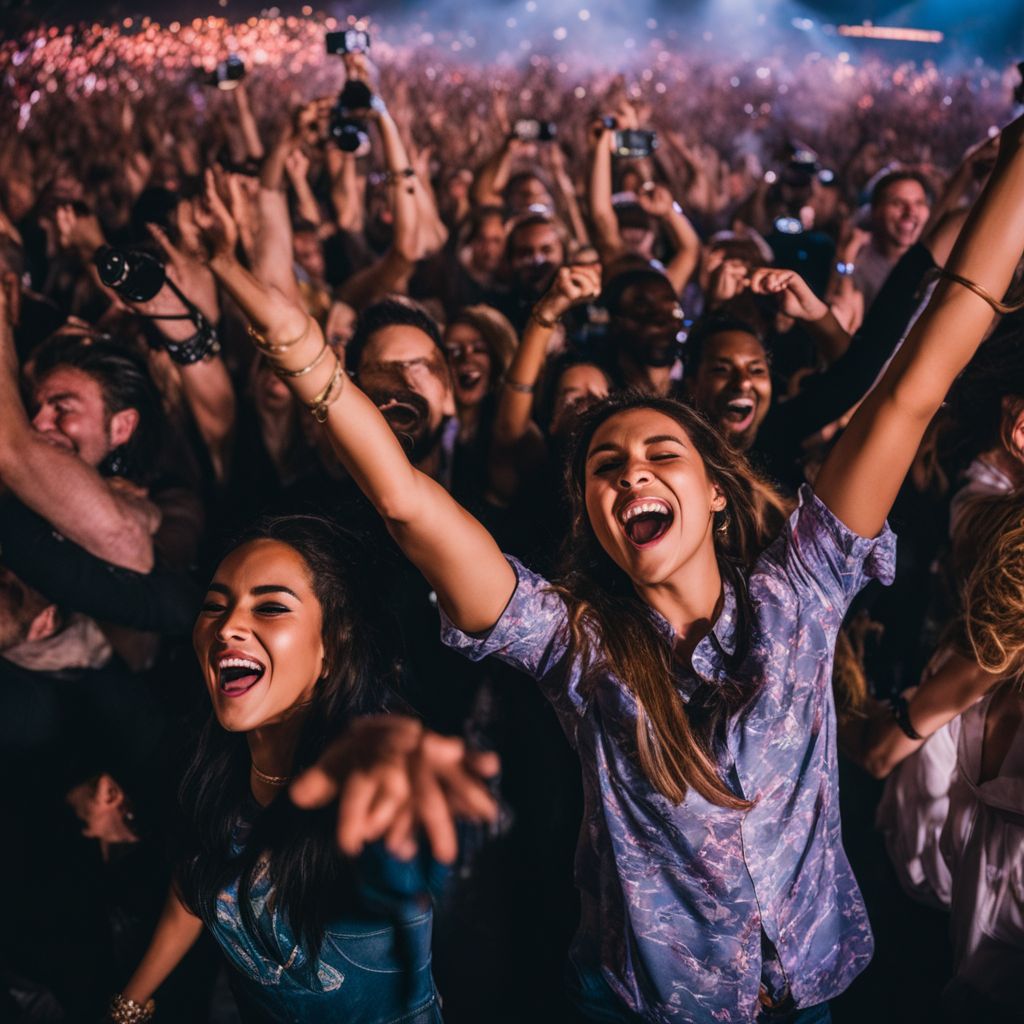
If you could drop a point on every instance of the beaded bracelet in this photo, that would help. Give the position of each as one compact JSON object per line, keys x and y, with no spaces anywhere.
{"x":126,"y":1011}
{"x":514,"y":385}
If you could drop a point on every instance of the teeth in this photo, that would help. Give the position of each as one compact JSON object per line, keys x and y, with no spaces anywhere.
{"x":239,"y":663}
{"x":640,"y":507}
{"x":741,"y":405}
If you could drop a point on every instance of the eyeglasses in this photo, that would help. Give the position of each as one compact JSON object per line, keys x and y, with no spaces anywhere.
{"x":418,"y":370}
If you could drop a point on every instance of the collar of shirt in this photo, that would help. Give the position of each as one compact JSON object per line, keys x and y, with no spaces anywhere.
{"x":708,"y":659}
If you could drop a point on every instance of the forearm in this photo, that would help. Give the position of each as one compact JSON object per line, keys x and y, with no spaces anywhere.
{"x":308,"y":207}
{"x":490,"y":179}
{"x":247,"y":123}
{"x":957,"y":685}
{"x":515,"y":404}
{"x":864,"y":472}
{"x":402,"y":192}
{"x":602,"y":214}
{"x":210,"y":395}
{"x":345,"y":192}
{"x":72,"y":578}
{"x":273,"y":265}
{"x":829,"y":337}
{"x":176,"y":933}
{"x":687,"y":254}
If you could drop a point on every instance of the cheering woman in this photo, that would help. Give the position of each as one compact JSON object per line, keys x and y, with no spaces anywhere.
{"x":691,"y":672}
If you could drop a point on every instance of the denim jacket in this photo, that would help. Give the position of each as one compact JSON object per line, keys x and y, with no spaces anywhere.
{"x":373,"y":966}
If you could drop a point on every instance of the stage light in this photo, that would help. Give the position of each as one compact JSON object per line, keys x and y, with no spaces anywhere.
{"x":903,"y":35}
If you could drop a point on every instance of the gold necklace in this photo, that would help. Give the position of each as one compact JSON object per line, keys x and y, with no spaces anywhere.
{"x":270,"y":780}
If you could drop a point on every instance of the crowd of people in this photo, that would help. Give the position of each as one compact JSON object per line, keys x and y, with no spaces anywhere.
{"x":390,"y":382}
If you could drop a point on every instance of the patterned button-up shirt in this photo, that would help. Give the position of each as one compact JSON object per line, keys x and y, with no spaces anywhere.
{"x":675,"y":897}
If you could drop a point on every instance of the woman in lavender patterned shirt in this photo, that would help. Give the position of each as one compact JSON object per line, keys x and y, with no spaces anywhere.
{"x":694,"y":683}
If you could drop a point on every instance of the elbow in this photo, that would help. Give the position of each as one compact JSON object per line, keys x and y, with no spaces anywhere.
{"x":878,"y":765}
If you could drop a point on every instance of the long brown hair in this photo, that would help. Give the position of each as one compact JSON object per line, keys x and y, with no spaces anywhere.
{"x":992,"y":546}
{"x":610,"y":626}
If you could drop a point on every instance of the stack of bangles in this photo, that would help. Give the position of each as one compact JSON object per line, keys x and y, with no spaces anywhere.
{"x":321,"y":402}
{"x":126,"y":1011}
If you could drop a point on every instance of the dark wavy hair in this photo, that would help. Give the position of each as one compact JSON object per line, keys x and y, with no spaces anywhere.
{"x":611,"y":627}
{"x":311,"y":880}
{"x":125,"y":383}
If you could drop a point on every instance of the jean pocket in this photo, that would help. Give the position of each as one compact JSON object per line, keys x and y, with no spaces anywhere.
{"x":393,"y":949}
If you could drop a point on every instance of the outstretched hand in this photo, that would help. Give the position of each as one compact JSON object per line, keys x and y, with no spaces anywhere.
{"x":794,"y":294}
{"x":393,"y":778}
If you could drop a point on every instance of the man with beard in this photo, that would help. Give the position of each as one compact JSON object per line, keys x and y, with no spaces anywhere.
{"x":645,"y":321}
{"x":536,"y":247}
{"x":397,"y":357}
{"x":900,"y":203}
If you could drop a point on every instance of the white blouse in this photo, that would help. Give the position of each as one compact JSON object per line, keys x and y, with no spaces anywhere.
{"x":983,"y":843}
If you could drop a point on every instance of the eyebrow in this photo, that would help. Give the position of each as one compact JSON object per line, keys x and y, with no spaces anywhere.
{"x":656,"y":439}
{"x":62,"y":396}
{"x":266,"y":588}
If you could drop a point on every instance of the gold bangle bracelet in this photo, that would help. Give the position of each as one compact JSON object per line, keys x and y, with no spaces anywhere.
{"x":319,"y":404}
{"x":273,"y":347}
{"x":282,"y":372}
{"x":1000,"y":307}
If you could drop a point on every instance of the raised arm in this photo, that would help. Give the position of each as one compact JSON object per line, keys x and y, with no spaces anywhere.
{"x":61,"y":487}
{"x":607,"y":238}
{"x":796,"y":300}
{"x":658,"y":202}
{"x":247,"y":123}
{"x":457,"y":555}
{"x":513,"y":421}
{"x":863,"y":473}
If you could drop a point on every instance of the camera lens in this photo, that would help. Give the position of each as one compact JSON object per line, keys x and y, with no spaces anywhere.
{"x":134,"y":275}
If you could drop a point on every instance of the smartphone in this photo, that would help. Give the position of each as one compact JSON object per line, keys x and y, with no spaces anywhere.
{"x":351,"y":40}
{"x":529,"y":129}
{"x":633,"y":142}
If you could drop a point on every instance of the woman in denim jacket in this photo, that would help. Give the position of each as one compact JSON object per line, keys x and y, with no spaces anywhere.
{"x":691,"y":672}
{"x":292,"y":655}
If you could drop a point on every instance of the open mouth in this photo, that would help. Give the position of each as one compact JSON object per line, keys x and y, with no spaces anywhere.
{"x":238,"y":675}
{"x":646,"y":520}
{"x":469,"y":379}
{"x":401,"y":415}
{"x":739,"y":413}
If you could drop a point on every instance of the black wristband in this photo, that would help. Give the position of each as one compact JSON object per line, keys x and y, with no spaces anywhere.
{"x":901,"y":713}
{"x":201,"y":345}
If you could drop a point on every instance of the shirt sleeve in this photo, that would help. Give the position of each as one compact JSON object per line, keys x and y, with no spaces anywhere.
{"x":823,"y":557}
{"x":530,"y":635}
